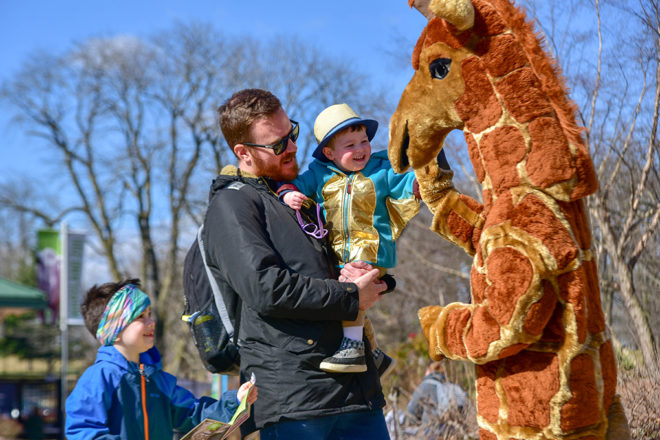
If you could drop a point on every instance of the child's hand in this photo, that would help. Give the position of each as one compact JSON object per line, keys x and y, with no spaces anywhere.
{"x":294,"y":199}
{"x":251,"y":389}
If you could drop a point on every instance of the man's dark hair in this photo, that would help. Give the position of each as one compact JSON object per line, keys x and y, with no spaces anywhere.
{"x":96,"y":300}
{"x":239,"y":112}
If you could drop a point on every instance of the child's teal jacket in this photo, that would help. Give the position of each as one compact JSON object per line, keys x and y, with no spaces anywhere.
{"x":107,"y":401}
{"x":366,"y":210}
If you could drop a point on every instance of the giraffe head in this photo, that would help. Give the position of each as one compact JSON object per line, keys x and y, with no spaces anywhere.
{"x":426,"y":112}
{"x":480,"y":68}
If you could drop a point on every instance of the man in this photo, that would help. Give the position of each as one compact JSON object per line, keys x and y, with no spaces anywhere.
{"x":292,"y":304}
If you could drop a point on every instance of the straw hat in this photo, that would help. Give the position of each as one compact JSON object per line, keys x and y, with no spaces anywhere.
{"x":334,"y":119}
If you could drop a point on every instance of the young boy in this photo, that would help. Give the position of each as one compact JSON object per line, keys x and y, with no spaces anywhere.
{"x":366,"y":206}
{"x":125,"y":393}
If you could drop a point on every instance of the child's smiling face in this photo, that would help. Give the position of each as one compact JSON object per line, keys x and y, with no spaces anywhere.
{"x":137,"y":337}
{"x":349,"y":149}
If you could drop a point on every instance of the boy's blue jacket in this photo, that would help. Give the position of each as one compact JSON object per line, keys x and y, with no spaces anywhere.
{"x":107,"y":400}
{"x":365,"y":210}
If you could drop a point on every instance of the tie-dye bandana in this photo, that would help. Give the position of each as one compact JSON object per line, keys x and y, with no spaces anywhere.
{"x":125,"y":305}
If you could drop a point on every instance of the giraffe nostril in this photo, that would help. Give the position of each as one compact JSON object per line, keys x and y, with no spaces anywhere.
{"x":405,"y":143}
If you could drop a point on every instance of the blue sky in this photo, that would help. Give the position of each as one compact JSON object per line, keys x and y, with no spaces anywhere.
{"x":361,"y":31}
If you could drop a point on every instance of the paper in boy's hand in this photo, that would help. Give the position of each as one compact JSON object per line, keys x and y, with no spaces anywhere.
{"x":243,"y":411}
{"x":210,"y":429}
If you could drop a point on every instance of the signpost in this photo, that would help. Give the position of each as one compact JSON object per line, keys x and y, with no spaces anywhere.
{"x":70,"y":297}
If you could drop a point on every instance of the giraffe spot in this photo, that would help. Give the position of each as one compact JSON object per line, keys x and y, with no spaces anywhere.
{"x":583,"y":408}
{"x":471,"y":203}
{"x":572,"y":287}
{"x":511,"y":350}
{"x":478,"y":284}
{"x":459,"y":227}
{"x":587,"y":182}
{"x":501,"y":210}
{"x":487,"y":401}
{"x":483,"y":330}
{"x":501,"y":54}
{"x":510,"y":275}
{"x":502,"y":149}
{"x":523,"y":95}
{"x":478,"y":107}
{"x":478,"y":208}
{"x":457,"y":320}
{"x":596,"y":323}
{"x":486,"y":435}
{"x":554,"y":329}
{"x":536,"y":218}
{"x":488,"y":199}
{"x":476,"y":236}
{"x":529,"y":383}
{"x":608,"y":371}
{"x":549,"y":161}
{"x":541,"y":311}
{"x":487,"y":21}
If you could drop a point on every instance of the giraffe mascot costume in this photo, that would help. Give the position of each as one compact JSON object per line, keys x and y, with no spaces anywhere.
{"x":535,"y":329}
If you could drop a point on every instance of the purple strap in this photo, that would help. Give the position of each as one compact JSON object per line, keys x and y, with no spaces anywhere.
{"x":310,"y":228}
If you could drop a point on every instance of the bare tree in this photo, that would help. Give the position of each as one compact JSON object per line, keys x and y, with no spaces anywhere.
{"x":131,"y":127}
{"x":17,"y":235}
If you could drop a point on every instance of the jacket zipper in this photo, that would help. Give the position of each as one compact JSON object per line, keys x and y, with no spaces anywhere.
{"x":143,"y":389}
{"x":347,"y":198}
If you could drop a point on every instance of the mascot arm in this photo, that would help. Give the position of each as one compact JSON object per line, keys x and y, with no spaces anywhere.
{"x":456,"y":217}
{"x":513,"y":303}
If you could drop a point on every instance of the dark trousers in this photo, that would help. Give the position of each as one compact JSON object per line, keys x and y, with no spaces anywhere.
{"x":365,"y":425}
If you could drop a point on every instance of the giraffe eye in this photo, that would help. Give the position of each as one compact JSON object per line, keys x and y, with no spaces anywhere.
{"x":439,"y":68}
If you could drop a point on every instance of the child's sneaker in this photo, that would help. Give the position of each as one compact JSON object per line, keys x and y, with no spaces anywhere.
{"x":384,"y":363}
{"x":348,"y":359}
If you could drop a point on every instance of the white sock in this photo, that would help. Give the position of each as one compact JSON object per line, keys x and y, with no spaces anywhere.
{"x":354,"y":333}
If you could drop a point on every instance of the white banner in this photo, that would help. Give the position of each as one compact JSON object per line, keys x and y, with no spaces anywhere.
{"x":74,"y":253}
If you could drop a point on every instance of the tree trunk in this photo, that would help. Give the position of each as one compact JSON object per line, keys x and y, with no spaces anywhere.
{"x":640,"y":321}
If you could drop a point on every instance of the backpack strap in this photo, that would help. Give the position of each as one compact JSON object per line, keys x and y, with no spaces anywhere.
{"x":217,"y":295}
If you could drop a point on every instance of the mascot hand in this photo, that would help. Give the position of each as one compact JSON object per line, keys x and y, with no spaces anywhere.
{"x":434,"y":181}
{"x":427,"y":318}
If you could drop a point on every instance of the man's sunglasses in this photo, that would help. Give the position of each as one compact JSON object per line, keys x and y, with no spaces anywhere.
{"x":280,"y":146}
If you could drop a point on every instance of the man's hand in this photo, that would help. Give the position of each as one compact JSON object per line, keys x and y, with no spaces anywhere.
{"x":369,"y":288}
{"x":354,"y":270}
{"x":294,"y":199}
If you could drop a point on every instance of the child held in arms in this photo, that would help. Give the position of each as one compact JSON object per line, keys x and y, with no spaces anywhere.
{"x":125,"y":393}
{"x":366,"y":206}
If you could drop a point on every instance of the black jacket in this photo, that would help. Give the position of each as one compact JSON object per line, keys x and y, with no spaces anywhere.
{"x":292,"y":304}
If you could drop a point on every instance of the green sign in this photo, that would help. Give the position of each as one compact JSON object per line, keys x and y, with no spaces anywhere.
{"x":49,"y":259}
